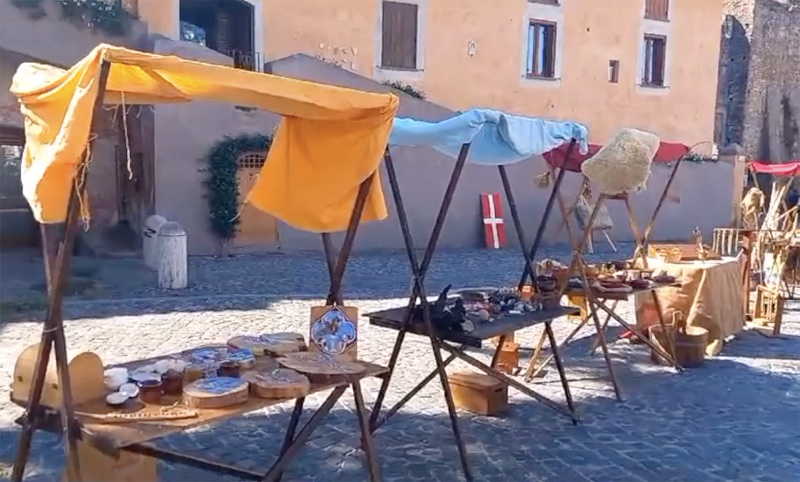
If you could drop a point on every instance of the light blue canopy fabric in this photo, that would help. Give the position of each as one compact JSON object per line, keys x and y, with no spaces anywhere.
{"x":496,"y":138}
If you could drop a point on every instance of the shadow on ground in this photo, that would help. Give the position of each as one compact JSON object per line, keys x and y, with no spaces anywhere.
{"x":725,"y":421}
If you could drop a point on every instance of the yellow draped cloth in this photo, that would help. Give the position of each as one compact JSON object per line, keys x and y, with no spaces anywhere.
{"x":330,"y":139}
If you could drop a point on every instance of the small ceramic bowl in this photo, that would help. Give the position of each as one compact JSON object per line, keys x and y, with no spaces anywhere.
{"x":130,"y":390}
{"x":113,"y":378}
{"x":115,"y":399}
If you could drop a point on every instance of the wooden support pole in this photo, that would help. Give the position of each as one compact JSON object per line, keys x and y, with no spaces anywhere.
{"x":57,"y":273}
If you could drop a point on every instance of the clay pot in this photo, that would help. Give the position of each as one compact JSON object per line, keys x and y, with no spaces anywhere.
{"x":150,"y":391}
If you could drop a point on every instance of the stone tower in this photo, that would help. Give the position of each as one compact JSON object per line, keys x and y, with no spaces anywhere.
{"x":758,"y":99}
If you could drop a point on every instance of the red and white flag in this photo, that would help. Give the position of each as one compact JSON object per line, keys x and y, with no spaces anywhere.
{"x":493,"y":228}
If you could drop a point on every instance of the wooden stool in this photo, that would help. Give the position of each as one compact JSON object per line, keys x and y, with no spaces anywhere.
{"x":768,"y":310}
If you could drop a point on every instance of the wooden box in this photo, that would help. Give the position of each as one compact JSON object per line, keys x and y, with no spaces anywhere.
{"x":479,"y":393}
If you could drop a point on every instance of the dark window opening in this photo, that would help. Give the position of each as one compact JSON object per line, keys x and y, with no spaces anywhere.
{"x":655,"y":49}
{"x":613,"y":71}
{"x":226,"y":26}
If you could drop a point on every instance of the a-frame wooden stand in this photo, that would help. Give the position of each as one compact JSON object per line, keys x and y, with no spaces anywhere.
{"x":402,"y":319}
{"x":594,"y":302}
{"x":57,"y":267}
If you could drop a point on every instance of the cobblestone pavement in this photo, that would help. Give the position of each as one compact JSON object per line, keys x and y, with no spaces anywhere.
{"x":736,"y":418}
{"x":373,"y":274}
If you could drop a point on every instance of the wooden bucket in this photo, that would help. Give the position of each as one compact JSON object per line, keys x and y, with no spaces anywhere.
{"x":690,"y":342}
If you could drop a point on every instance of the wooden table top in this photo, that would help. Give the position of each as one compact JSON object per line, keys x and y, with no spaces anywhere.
{"x":118,"y":435}
{"x":393,"y":319}
{"x":605,"y":295}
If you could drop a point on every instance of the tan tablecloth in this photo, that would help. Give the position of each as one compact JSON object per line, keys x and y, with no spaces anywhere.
{"x":710,"y":297}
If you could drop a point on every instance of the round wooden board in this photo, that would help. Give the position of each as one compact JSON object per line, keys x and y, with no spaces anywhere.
{"x":275,"y":344}
{"x":277,"y":383}
{"x":216,"y":392}
{"x":321,"y":364}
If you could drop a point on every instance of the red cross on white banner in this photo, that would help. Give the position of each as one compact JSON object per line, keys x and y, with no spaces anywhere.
{"x":493,"y":228}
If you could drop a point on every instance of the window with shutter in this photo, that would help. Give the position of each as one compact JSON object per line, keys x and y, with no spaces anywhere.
{"x":654,"y":65}
{"x":656,"y":10}
{"x":399,"y":36}
{"x":541,"y":49}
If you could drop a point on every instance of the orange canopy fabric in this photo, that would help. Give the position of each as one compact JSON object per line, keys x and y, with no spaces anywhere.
{"x":329,"y":140}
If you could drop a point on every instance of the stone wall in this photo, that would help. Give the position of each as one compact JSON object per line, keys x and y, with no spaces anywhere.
{"x":771,"y":117}
{"x":758,"y":73}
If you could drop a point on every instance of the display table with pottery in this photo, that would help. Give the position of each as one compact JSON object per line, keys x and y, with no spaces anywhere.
{"x":130,"y":424}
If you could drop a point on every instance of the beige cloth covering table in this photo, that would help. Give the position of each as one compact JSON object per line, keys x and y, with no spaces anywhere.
{"x":710,"y":296}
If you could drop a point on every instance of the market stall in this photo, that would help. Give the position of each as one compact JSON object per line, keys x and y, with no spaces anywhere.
{"x":709,"y":297}
{"x":775,"y":245}
{"x":618,"y":169}
{"x":488,"y":138}
{"x":326,"y":133}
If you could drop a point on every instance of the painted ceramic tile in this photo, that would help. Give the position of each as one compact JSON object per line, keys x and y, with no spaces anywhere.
{"x":334,"y":332}
{"x":218,"y":385}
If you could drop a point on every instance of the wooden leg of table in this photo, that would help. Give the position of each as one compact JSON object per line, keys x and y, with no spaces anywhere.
{"x":367,"y":444}
{"x":640,"y":335}
{"x":292,"y":428}
{"x":292,"y":450}
{"x":559,"y":365}
{"x":529,"y":373}
{"x":601,"y":337}
{"x":564,"y":343}
{"x":500,"y":342}
{"x":596,"y":343}
{"x":411,"y":394}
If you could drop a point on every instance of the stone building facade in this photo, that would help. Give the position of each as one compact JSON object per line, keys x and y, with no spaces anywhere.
{"x":758,"y":103}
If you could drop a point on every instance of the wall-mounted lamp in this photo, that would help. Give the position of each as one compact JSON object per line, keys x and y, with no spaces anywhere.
{"x":471,"y":48}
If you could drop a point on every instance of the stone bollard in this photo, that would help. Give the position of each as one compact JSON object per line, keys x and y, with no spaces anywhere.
{"x":150,"y":240}
{"x":172,"y":263}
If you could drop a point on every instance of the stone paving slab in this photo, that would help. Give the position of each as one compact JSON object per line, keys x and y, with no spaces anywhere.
{"x":735,"y":419}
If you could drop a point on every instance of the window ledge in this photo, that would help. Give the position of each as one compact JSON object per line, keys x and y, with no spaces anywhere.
{"x":652,"y":89}
{"x":532,"y":80}
{"x":655,"y":19}
{"x":545,"y":4}
{"x":393,"y":73}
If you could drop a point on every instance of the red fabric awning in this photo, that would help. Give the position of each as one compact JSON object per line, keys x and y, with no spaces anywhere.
{"x":791,"y":168}
{"x":667,"y":152}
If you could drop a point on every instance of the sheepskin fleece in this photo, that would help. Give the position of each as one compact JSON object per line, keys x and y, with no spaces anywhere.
{"x":622,"y":165}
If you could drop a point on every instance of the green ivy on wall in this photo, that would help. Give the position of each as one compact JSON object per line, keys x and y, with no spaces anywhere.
{"x":107,"y":16}
{"x":223,"y":185}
